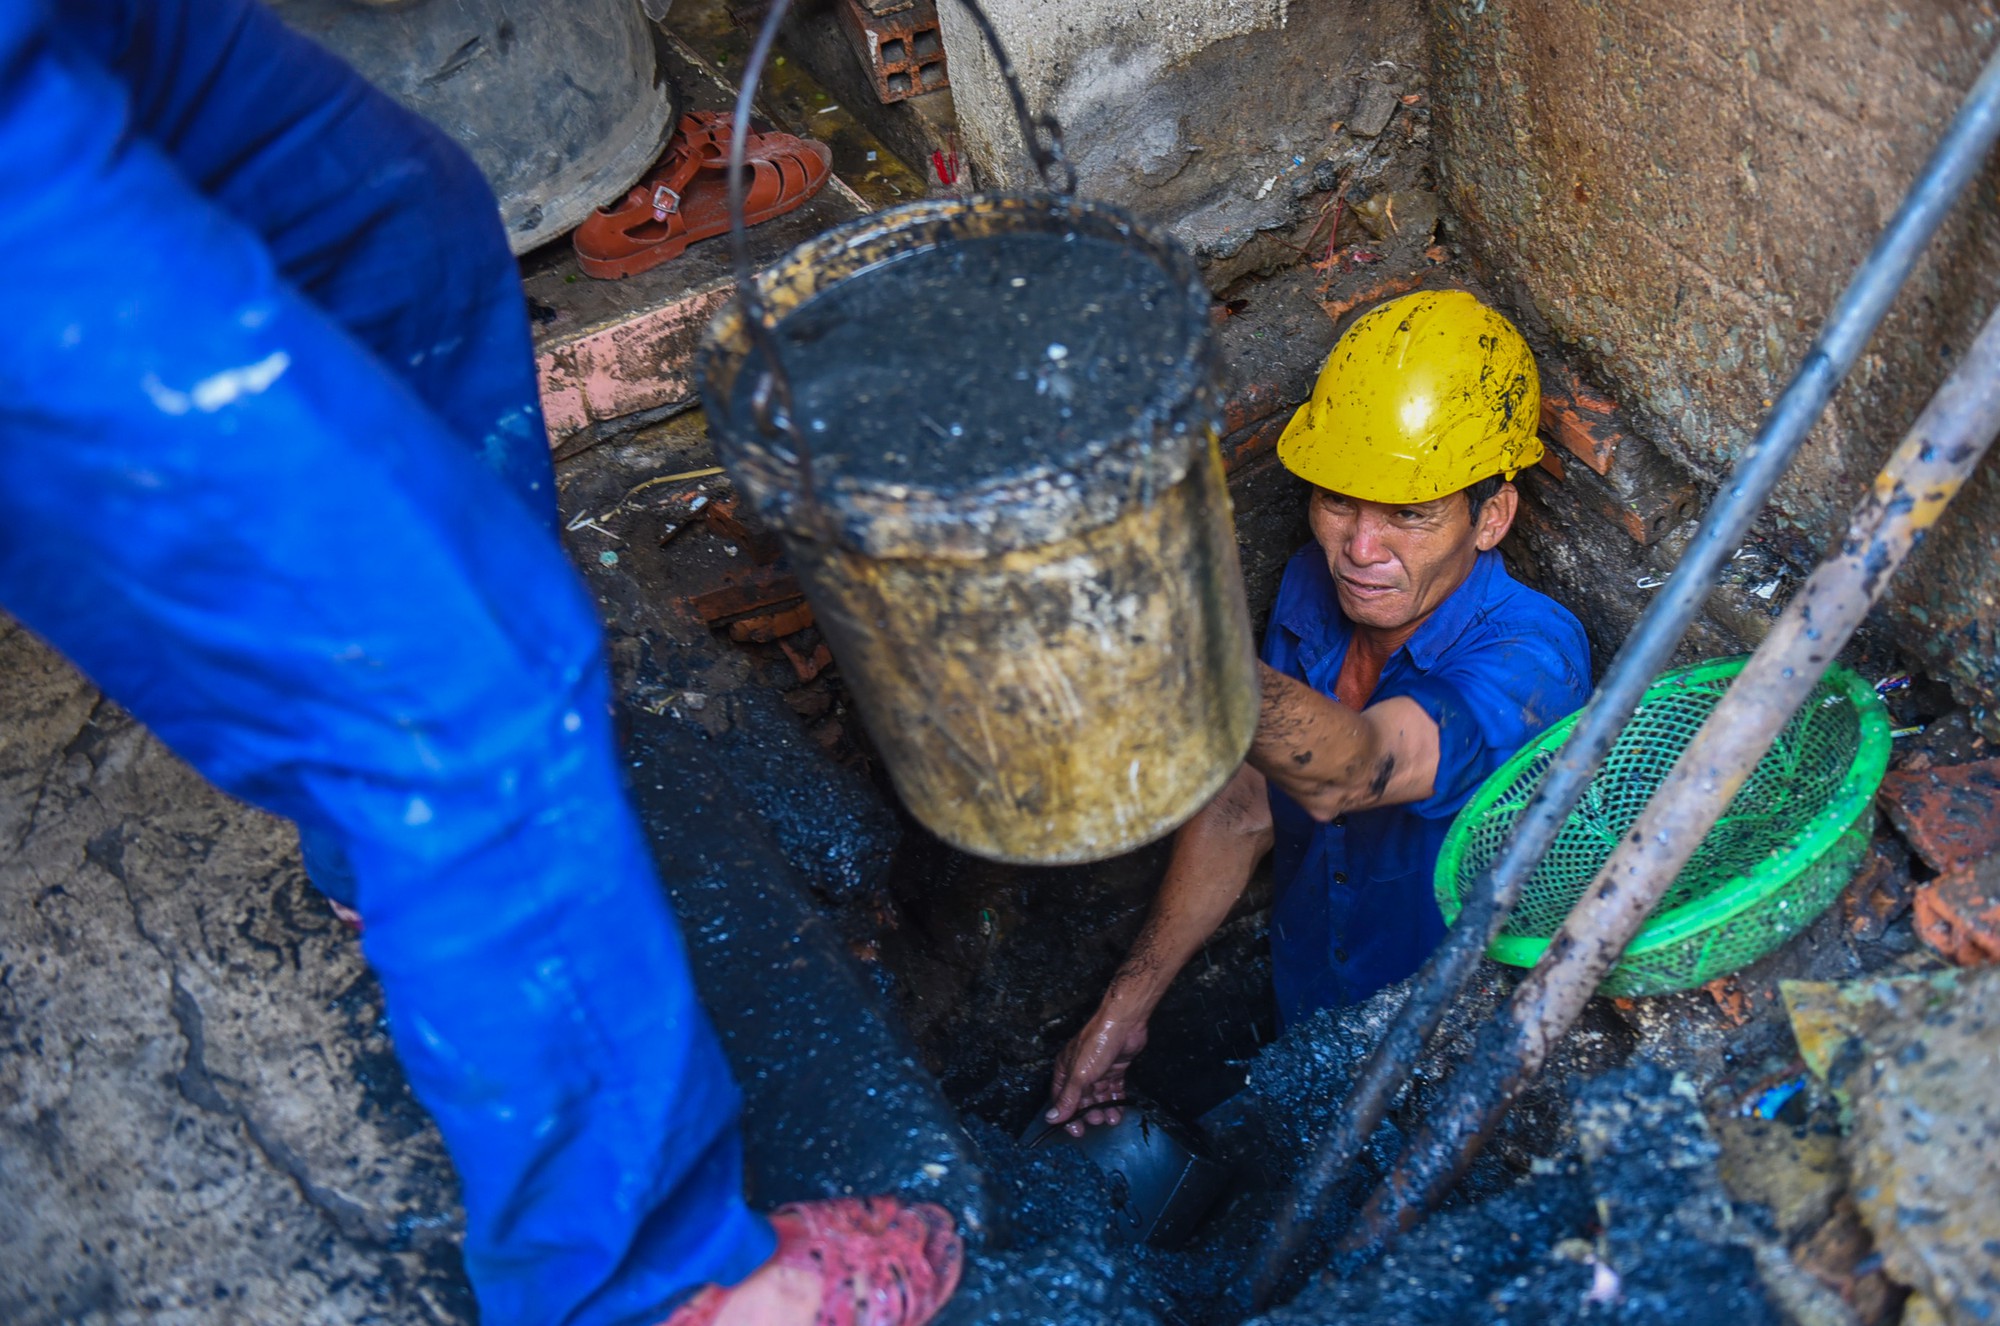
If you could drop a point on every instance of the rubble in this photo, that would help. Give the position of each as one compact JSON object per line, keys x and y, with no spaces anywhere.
{"x":1374,"y":104}
{"x":1958,"y":914}
{"x":1635,"y":1228}
{"x":1913,"y":1061}
{"x":1880,"y":892}
{"x":1950,"y":814}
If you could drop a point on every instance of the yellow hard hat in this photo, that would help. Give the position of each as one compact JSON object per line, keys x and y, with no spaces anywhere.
{"x":1423,"y":395}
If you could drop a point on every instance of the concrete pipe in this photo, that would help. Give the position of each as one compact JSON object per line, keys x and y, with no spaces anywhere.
{"x":562,"y":106}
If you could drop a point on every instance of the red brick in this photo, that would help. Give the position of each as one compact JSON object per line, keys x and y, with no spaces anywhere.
{"x":1577,"y":415}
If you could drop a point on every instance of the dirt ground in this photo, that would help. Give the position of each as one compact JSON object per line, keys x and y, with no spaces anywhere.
{"x":201,"y":1121}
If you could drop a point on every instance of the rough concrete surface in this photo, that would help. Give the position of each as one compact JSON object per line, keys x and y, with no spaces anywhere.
{"x":200,"y":1119}
{"x":1071,"y":54}
{"x":1210,"y":116}
{"x":1679,"y":193}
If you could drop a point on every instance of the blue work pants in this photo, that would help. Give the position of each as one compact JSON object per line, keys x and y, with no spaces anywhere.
{"x":272,"y":474}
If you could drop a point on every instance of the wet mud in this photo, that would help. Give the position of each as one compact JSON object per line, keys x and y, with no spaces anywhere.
{"x":1054,"y":1211}
{"x":1633,"y":1226}
{"x":984,"y":359}
{"x":994,"y":967}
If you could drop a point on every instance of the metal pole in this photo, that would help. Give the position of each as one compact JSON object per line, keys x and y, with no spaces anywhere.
{"x":1910,"y":493}
{"x":1646,"y":652}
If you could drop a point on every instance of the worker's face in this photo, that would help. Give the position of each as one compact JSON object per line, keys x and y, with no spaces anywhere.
{"x":1394,"y":564}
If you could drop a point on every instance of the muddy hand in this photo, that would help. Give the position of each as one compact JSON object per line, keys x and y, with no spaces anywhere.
{"x":1090,"y":1072}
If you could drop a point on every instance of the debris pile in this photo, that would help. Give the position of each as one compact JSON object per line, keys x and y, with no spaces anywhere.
{"x":1633,"y":1226}
{"x":1913,"y":1063}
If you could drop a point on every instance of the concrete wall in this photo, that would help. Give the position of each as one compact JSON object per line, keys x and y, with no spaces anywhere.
{"x":1075,"y":57}
{"x":1677,"y":192}
{"x":1218,"y":117}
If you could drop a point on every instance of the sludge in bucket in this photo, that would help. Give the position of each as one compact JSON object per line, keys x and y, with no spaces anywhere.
{"x":998,"y":483}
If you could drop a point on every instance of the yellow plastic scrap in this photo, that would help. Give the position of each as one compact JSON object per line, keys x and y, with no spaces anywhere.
{"x":1831,"y":1020}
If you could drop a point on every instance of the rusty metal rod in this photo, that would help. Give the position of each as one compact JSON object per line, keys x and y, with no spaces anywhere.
{"x":1920,"y":479}
{"x":1645,"y":653}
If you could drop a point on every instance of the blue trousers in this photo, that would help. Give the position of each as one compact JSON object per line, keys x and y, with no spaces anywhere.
{"x":272,"y":474}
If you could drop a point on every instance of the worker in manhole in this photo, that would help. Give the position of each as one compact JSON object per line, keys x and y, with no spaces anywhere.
{"x":1402,"y":665}
{"x":272,"y":474}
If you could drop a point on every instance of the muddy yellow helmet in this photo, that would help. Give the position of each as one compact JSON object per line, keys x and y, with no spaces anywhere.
{"x":1423,"y":395}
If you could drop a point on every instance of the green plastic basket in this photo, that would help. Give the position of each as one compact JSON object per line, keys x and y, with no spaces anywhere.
{"x":1787,"y":846}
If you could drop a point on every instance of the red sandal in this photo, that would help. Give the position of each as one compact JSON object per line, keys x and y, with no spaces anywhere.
{"x":879,"y":1263}
{"x":685,"y":197}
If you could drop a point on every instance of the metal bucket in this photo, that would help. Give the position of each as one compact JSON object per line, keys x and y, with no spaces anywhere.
{"x":1055,"y":661}
{"x":1167,"y":1171}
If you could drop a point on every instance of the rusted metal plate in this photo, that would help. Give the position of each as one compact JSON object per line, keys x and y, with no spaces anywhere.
{"x":900,"y":45}
{"x":753,"y":591}
{"x":1949,"y":815}
{"x":768,"y":628}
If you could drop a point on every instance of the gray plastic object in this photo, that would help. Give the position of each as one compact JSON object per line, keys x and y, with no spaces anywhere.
{"x":562,"y":105}
{"x":1169,"y":1171}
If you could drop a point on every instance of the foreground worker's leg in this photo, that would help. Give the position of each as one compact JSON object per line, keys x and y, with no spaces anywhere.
{"x":370,"y":212}
{"x":271,"y":551}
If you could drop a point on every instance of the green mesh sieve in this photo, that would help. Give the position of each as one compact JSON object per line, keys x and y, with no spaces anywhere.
{"x":1787,"y":846}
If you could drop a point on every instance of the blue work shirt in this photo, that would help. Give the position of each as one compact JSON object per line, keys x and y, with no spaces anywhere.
{"x":1494,"y":665}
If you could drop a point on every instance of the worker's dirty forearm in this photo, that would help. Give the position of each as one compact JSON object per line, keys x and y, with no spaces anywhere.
{"x":1332,"y":759}
{"x":1213,"y":856}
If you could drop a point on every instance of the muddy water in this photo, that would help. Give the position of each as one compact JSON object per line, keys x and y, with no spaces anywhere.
{"x":996,"y":966}
{"x":980,"y":359}
{"x":991,"y":1039}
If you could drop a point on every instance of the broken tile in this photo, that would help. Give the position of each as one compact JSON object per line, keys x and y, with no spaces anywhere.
{"x":1958,"y":914}
{"x":1950,"y":815}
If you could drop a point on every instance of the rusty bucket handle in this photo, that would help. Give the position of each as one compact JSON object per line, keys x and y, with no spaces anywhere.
{"x":771,"y":401}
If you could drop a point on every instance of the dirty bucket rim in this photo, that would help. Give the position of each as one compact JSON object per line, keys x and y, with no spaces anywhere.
{"x":1039,"y":504}
{"x":1812,"y":841}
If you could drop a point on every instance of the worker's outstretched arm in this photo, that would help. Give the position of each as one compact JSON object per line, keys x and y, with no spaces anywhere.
{"x":224,"y":509}
{"x":1331,"y":759}
{"x":1213,"y":856}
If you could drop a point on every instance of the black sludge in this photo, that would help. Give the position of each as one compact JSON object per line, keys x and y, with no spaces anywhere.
{"x":980,"y":359}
